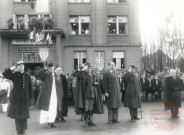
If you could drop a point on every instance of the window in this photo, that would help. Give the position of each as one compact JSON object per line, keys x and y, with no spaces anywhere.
{"x":33,"y":16}
{"x":20,"y":21}
{"x":117,"y":24}
{"x":31,"y":57}
{"x":79,"y":1}
{"x":79,"y":58}
{"x":79,"y":25}
{"x":118,"y":59}
{"x":99,"y":60}
{"x":116,"y":1}
{"x":22,"y":0}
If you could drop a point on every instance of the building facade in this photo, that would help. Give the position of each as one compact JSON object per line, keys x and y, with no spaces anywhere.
{"x":93,"y":31}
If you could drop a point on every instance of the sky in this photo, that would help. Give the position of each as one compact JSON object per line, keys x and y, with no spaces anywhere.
{"x":153,"y":13}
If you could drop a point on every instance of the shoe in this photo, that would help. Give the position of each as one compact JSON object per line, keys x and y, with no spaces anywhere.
{"x":24,"y":133}
{"x":52,"y":125}
{"x":92,"y":124}
{"x":62,"y":120}
{"x":109,"y":122}
{"x":57,"y":120}
{"x":176,"y":116}
{"x":132,"y":118}
{"x":18,"y":133}
{"x":115,"y":121}
{"x":135,"y":118}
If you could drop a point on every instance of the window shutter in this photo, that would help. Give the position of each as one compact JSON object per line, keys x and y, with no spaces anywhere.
{"x":84,"y":60}
{"x":114,"y":60}
{"x":75,"y":63}
{"x":122,"y":63}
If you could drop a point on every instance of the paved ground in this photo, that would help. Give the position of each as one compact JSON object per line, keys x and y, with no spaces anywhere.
{"x":73,"y":126}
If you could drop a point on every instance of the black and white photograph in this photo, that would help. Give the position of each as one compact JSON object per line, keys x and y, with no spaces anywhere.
{"x":91,"y":67}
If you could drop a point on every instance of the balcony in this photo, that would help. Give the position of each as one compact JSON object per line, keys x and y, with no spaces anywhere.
{"x":23,"y":34}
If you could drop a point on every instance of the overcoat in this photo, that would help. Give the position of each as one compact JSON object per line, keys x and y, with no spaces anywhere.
{"x":77,"y":92}
{"x":132,"y":97}
{"x":90,"y":84}
{"x":20,"y":95}
{"x":65,"y":96}
{"x":59,"y":90}
{"x":112,"y":87}
{"x":174,"y":87}
{"x":43,"y":100}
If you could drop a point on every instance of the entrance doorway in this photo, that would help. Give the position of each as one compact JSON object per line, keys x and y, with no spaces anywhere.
{"x":33,"y":68}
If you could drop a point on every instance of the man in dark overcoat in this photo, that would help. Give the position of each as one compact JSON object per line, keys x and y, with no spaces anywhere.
{"x":65,"y":97}
{"x":20,"y":96}
{"x":112,"y":92}
{"x":78,"y":94}
{"x":174,"y":87}
{"x":132,"y":97}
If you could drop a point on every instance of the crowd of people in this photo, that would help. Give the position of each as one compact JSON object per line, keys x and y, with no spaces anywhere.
{"x":88,"y":89}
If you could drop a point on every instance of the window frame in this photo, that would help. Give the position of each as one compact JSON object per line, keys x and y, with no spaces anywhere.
{"x":79,"y":24}
{"x":74,"y":58}
{"x":124,"y":56}
{"x":117,"y":24}
{"x":103,"y":66}
{"x":79,"y":2}
{"x":117,"y":3}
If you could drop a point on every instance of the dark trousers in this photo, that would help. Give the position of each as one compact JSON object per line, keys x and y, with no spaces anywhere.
{"x":133,"y":112}
{"x":146,"y":96}
{"x":174,"y":111}
{"x":112,"y":114}
{"x":21,"y":125}
{"x":59,"y":114}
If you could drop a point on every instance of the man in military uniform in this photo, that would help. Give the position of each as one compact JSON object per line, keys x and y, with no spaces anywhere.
{"x":20,"y":96}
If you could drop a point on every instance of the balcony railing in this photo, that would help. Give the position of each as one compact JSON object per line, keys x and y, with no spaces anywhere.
{"x":30,"y":22}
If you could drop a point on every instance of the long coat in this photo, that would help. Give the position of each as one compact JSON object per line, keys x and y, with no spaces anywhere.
{"x":132,"y":97}
{"x":20,"y":95}
{"x":91,"y":90}
{"x":43,"y":100}
{"x":59,"y":90}
{"x":112,"y":87}
{"x":174,"y":87}
{"x":77,"y":92}
{"x":65,"y":96}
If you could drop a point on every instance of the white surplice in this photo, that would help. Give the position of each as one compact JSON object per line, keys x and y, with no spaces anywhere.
{"x":50,"y":115}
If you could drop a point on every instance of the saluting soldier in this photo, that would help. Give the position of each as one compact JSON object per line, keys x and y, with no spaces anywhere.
{"x":20,"y":96}
{"x":133,"y":92}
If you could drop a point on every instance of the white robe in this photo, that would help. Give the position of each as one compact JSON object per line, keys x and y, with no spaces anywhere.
{"x":50,"y":115}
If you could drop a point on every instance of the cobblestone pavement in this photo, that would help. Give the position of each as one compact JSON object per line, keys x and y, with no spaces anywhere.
{"x":73,"y":126}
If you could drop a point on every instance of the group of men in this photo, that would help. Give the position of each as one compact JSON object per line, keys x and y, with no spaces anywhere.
{"x":52,"y":99}
{"x":87,"y":93}
{"x":85,"y":98}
